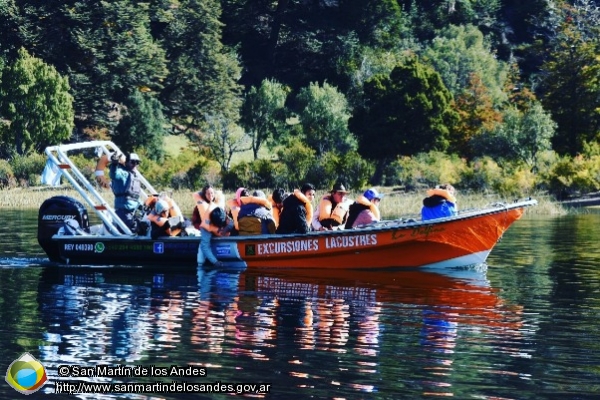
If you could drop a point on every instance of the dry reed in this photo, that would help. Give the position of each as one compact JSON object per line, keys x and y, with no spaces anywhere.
{"x":393,"y":205}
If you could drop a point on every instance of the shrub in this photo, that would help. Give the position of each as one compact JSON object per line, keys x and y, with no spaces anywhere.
{"x":437,"y":167}
{"x":572,"y":176}
{"x":427,"y":169}
{"x":298,"y":160}
{"x":354,"y":170}
{"x":188,"y":170}
{"x":518,"y":180}
{"x":324,"y":172}
{"x":7,"y":177}
{"x":255,"y":174}
{"x":28,"y":169}
{"x":483,"y":175}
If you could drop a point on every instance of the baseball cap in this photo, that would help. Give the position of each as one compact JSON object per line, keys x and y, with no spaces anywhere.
{"x":372,"y":193}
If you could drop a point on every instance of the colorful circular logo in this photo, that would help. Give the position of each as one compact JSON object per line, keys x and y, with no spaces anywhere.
{"x":26,"y":374}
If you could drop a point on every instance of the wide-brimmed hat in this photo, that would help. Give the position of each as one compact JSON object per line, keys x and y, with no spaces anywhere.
{"x":372,"y":193}
{"x":338,"y":187}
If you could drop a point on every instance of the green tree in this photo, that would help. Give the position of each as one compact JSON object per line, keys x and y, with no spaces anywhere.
{"x":142,"y":126}
{"x":571,"y":89}
{"x":476,"y":116}
{"x":533,"y":134}
{"x":521,"y":136}
{"x":458,"y":52}
{"x":378,"y":23}
{"x":263,"y":112}
{"x":203,"y":73}
{"x":404,"y":113}
{"x":222,"y":138}
{"x":106,"y":48}
{"x":323,"y":112}
{"x":35,"y":101}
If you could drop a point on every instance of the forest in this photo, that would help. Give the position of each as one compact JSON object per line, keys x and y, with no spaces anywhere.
{"x":489,"y":95}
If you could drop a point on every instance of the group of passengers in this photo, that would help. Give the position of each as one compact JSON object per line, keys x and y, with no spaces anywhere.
{"x":250,"y":214}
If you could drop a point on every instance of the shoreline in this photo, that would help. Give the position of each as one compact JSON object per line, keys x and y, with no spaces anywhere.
{"x":394,"y":204}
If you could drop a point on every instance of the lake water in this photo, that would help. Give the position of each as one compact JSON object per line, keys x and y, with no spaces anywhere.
{"x":525,"y":327}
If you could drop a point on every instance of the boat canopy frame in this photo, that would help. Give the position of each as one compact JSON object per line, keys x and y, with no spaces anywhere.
{"x":59,"y":155}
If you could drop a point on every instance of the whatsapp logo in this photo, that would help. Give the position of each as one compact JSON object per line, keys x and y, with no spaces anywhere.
{"x":26,"y":374}
{"x":99,"y":247}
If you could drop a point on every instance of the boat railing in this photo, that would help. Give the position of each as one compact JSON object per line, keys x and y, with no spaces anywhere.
{"x":410,"y":220}
{"x":59,"y":155}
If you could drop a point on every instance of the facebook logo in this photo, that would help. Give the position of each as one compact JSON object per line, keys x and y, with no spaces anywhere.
{"x":159,"y":248}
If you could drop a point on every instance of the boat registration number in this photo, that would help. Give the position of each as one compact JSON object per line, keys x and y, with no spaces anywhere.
{"x":79,"y":247}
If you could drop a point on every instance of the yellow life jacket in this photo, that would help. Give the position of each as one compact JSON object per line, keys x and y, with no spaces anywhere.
{"x":337,"y":214}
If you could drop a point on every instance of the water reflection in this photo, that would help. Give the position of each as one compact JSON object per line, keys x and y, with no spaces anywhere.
{"x":327,"y":328}
{"x":527,"y":325}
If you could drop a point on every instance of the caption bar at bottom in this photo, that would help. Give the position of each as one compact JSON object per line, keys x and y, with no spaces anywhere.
{"x":76,"y":387}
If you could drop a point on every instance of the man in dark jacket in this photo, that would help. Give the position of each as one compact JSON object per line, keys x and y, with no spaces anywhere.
{"x":296,"y":214}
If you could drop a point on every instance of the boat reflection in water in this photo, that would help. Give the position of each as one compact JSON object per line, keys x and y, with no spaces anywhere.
{"x":293,"y":321}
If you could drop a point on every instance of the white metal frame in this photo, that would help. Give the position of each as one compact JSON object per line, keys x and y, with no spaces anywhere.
{"x":59,"y":155}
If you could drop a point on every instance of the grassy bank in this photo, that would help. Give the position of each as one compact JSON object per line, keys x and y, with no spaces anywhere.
{"x":394,"y":204}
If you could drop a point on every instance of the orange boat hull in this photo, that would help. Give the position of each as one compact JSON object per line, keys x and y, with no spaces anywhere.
{"x":450,"y":242}
{"x":462,"y":240}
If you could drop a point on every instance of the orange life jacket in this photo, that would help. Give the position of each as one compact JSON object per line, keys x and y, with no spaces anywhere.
{"x":275,"y":210}
{"x":367,"y":203}
{"x":307,"y":205}
{"x":205,"y":224}
{"x":173,"y":209}
{"x":201,"y":204}
{"x":161,"y":221}
{"x":234,"y":206}
{"x":337,"y":214}
{"x":443,"y":193}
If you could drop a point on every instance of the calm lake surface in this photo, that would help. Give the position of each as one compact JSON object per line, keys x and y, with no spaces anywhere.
{"x":525,"y":327}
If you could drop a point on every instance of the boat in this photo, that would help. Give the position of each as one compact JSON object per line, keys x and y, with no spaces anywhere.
{"x":456,"y":241}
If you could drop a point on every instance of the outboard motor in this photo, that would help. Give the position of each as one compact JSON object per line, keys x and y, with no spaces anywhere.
{"x":52,"y":216}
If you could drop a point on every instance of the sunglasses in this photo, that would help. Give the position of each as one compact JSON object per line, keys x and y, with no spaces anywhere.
{"x":134,"y":162}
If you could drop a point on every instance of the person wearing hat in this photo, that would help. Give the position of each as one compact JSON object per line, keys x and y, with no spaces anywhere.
{"x":214,"y":223}
{"x":365,"y":209}
{"x":126,"y":187}
{"x":333,"y":210}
